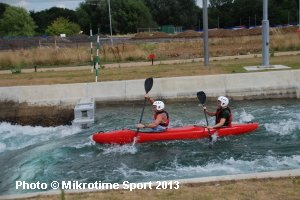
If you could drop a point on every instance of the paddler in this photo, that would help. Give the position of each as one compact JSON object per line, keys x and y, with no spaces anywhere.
{"x":223,"y":113}
{"x":161,"y":117}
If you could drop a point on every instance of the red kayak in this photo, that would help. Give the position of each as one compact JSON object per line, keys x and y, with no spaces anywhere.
{"x":126,"y":136}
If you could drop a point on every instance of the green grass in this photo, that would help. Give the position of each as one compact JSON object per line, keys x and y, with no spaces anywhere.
{"x":142,"y":72}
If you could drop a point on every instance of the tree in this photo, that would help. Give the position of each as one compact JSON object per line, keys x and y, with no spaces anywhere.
{"x":62,"y":26}
{"x":95,"y":14}
{"x":16,"y":22}
{"x":83,"y":19}
{"x":221,"y":13}
{"x":131,"y":14}
{"x":3,"y":7}
{"x":245,"y":9}
{"x":127,"y":16}
{"x":245,"y":12}
{"x":45,"y":17}
{"x":282,"y":12}
{"x":174,"y":12}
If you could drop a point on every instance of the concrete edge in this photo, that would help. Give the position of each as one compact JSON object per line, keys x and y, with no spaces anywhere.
{"x":240,"y":86}
{"x":236,"y":177}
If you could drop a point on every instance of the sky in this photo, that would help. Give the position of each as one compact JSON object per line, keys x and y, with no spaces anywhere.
{"x":38,"y":5}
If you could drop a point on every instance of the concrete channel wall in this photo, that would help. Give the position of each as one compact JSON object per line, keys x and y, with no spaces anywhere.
{"x":257,"y":85}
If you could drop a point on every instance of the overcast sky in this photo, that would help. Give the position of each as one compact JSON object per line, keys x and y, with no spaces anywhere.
{"x":38,"y":5}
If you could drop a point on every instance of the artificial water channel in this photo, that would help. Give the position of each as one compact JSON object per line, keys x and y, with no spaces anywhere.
{"x":66,"y":153}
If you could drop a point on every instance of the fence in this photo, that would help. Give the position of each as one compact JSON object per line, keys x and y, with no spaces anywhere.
{"x":148,"y":30}
{"x":14,"y":43}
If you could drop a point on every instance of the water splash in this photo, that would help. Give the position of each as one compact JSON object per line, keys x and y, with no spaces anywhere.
{"x":278,"y":110}
{"x":214,"y":137}
{"x":123,"y":149}
{"x":17,"y":136}
{"x":128,"y":172}
{"x":81,"y":144}
{"x":229,"y":166}
{"x":285,"y":127}
{"x":245,"y":117}
{"x":2,"y":147}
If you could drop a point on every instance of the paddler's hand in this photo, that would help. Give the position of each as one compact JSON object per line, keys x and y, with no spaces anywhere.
{"x":210,"y":127}
{"x":147,"y":96}
{"x":140,"y":125}
{"x":204,"y":109}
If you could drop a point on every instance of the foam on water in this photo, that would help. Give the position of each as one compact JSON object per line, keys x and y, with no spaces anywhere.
{"x":17,"y":137}
{"x":284,"y":127}
{"x":278,"y":109}
{"x":81,"y":144}
{"x":227,"y":167}
{"x":245,"y":117}
{"x":2,"y":147}
{"x":123,"y":149}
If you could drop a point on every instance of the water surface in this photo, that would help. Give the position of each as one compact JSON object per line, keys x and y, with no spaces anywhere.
{"x":66,"y":153}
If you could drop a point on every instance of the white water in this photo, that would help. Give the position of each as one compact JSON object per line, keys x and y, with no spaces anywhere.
{"x":63,"y":152}
{"x":117,"y":149}
{"x":228,"y":166}
{"x":14,"y":137}
{"x":284,"y":127}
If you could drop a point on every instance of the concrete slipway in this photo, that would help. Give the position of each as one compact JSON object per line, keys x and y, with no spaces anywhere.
{"x":256,"y":85}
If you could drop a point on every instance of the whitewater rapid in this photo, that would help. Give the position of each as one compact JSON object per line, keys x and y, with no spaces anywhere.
{"x":68,"y":153}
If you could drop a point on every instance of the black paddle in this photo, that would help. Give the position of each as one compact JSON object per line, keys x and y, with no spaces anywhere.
{"x":202,"y":98}
{"x":148,"y":85}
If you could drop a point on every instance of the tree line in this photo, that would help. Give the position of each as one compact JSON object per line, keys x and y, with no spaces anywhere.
{"x":129,"y":15}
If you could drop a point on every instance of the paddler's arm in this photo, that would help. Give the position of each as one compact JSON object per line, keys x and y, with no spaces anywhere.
{"x":209,"y":113}
{"x":218,"y":125}
{"x":149,"y":98}
{"x":152,"y":125}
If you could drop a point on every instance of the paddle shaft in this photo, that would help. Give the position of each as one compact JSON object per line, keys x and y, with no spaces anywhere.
{"x":148,"y":85}
{"x":205,"y":115}
{"x":209,"y":135}
{"x":202,"y":98}
{"x":141,"y":115}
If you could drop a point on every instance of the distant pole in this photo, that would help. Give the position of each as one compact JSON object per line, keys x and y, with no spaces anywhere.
{"x":111,"y":40}
{"x":249,"y":21}
{"x":91,"y":41}
{"x":265,"y":34}
{"x":255,"y":19}
{"x":218,"y":22}
{"x":205,"y":31}
{"x":97,"y":55}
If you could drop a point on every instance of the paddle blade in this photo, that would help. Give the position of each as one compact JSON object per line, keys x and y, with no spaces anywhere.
{"x":148,"y":84}
{"x":202,"y":97}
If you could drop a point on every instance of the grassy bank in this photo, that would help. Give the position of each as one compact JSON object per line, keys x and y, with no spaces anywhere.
{"x":259,"y":189}
{"x":142,"y":72}
{"x":183,"y":49}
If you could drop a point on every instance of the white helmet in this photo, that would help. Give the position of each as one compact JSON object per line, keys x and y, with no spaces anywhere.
{"x":159,"y":105}
{"x":224,"y":101}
